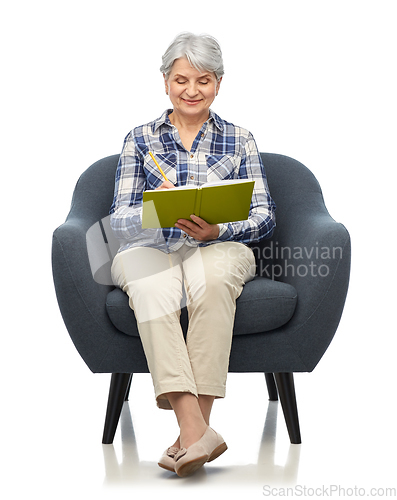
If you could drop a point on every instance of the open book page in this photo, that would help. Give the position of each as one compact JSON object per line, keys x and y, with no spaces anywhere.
{"x":207,"y":184}
{"x":227,"y":181}
{"x":172,"y":189}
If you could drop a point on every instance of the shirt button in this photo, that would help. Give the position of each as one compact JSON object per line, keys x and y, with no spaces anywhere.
{"x":191,"y":156}
{"x":192,"y":177}
{"x":184,"y":235}
{"x":202,"y":135}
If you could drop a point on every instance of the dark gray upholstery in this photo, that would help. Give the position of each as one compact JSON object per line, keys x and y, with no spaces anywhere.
{"x":282,"y":325}
{"x":264,"y":305}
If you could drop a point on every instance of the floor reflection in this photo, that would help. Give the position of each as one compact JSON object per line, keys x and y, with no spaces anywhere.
{"x":129,"y":470}
{"x":270,"y":472}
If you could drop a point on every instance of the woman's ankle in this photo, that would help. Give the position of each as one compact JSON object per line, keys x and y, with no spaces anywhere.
{"x":190,"y":418}
{"x":177,"y":443}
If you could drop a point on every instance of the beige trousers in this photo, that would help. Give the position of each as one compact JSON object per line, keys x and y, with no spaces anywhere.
{"x":207,"y":280}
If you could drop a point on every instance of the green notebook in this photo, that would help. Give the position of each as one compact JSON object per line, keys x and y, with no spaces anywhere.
{"x":215,"y":202}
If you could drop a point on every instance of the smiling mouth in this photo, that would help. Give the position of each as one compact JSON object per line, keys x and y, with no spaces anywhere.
{"x":191,"y":102}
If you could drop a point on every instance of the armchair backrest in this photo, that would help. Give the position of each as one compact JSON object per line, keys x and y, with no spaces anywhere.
{"x":293,"y":187}
{"x":93,"y":194}
{"x":295,"y":191}
{"x":291,"y":184}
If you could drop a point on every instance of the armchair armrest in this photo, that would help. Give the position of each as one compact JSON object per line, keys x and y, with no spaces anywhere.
{"x":81,"y":299}
{"x":311,"y":252}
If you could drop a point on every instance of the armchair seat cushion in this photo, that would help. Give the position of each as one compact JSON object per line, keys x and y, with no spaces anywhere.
{"x":263,"y":305}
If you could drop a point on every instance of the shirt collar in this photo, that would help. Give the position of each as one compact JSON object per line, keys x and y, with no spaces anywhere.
{"x":164,"y":120}
{"x":217,"y":120}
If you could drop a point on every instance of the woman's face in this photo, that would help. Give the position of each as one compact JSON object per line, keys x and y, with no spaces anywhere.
{"x":191,"y":91}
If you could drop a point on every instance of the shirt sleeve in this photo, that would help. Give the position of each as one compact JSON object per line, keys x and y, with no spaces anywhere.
{"x":126,"y":209}
{"x":261,"y":220}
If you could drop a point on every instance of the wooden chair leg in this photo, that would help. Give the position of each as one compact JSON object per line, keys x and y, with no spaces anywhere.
{"x":286,"y":391}
{"x":271,"y":387}
{"x":117,"y":392}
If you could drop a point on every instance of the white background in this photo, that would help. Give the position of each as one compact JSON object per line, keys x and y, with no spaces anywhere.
{"x":314,"y":80}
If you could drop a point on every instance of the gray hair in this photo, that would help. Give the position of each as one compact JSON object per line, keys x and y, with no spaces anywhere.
{"x":202,"y":51}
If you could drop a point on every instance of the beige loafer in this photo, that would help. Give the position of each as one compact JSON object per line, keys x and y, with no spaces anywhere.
{"x":167,"y":460}
{"x":206,"y":449}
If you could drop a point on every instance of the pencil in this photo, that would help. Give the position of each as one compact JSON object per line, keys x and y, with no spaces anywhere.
{"x":158,"y":166}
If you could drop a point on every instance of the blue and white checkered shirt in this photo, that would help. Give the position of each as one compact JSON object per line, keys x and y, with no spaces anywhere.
{"x":220,"y":151}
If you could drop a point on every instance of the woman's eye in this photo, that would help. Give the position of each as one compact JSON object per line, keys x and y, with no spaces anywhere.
{"x":203,"y":83}
{"x":180,"y":83}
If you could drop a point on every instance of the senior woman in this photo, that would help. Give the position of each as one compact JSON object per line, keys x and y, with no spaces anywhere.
{"x":204,"y":266}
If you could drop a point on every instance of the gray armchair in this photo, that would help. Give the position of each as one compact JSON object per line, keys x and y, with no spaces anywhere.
{"x":285,"y":318}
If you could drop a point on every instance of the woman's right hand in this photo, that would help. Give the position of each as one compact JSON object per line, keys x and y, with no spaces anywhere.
{"x":165,"y":185}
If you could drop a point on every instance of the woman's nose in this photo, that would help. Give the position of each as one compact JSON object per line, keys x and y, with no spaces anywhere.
{"x":191,"y":90}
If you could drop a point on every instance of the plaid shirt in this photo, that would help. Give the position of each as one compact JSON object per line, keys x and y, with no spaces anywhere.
{"x":220,"y":151}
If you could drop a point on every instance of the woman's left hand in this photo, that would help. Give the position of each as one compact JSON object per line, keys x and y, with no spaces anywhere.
{"x":198,"y":229}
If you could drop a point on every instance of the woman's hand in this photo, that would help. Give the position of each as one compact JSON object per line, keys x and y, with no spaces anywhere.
{"x":165,"y":185}
{"x":198,"y":229}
